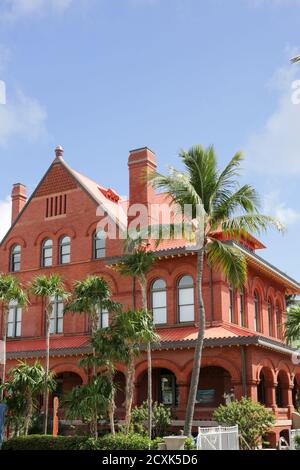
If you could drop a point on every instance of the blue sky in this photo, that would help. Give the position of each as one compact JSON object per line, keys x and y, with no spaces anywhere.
{"x":101,"y":77}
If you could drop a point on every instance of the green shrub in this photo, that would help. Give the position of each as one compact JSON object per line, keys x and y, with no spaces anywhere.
{"x":107,"y":442}
{"x":253,"y":419}
{"x":37,"y":442}
{"x":297,"y":442}
{"x":160,"y":422}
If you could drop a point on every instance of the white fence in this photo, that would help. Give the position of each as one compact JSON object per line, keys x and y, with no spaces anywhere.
{"x":293,"y":434}
{"x":218,"y":438}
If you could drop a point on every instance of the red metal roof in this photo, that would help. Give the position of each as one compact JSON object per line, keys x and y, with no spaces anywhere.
{"x":189,"y":333}
{"x":56,"y":343}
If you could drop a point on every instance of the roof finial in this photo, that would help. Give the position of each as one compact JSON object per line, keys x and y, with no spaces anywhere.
{"x":59,"y":151}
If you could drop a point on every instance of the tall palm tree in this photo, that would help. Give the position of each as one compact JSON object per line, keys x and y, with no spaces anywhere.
{"x":47,"y":288}
{"x":10,"y":290}
{"x":27,"y":382}
{"x":137,"y":263}
{"x":90,"y":296}
{"x":219,"y":203}
{"x":135,"y":328}
{"x":292,"y":325}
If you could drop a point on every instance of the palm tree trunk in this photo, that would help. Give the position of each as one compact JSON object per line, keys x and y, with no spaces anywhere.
{"x":29,"y":409}
{"x":46,"y":392}
{"x":112,"y":406}
{"x":143,"y":283}
{"x":129,"y":394}
{"x":4,"y":338}
{"x":198,"y":350}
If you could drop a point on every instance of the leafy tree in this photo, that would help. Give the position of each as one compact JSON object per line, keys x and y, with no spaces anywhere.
{"x":136,"y":263}
{"x":10,"y":290}
{"x":292,"y":325}
{"x":219,"y":204}
{"x":135,"y":328}
{"x":48,"y":288}
{"x":89,"y":402}
{"x":22,"y":390}
{"x":252,"y":418}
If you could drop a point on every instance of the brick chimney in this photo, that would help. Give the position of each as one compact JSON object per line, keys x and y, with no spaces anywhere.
{"x":19,"y":199}
{"x":140,"y":163}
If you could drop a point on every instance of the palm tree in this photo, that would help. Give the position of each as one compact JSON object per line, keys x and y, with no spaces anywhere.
{"x":48,"y":288}
{"x":91,"y":296}
{"x":89,"y":402}
{"x":10,"y":290}
{"x":295,"y":60}
{"x":135,"y":328}
{"x":219,"y":203}
{"x":292,"y":325}
{"x":108,"y":351}
{"x":27,"y":383}
{"x":136,"y":264}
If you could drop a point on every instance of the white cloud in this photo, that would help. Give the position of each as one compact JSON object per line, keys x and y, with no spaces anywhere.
{"x":273,"y":205}
{"x":276,"y":147}
{"x":23,"y":117}
{"x":15,"y":9}
{"x":5,"y":216}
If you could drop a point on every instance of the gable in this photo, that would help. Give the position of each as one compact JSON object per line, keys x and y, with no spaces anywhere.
{"x":57,"y":180}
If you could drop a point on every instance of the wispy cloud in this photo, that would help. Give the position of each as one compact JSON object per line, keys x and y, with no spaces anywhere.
{"x":23,"y":117}
{"x":275,"y":148}
{"x":5,"y":216}
{"x":12,"y":10}
{"x":273,"y":205}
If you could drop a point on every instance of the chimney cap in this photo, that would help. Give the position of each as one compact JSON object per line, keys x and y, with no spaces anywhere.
{"x":59,"y":151}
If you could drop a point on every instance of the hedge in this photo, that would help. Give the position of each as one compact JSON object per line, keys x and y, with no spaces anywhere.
{"x":107,"y":442}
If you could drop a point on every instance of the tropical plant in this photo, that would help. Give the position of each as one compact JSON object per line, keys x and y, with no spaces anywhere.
{"x":295,"y":59}
{"x":161,"y":418}
{"x":136,"y":263}
{"x":108,"y":347}
{"x":10,"y":290}
{"x":292,"y":325}
{"x":222,"y":209}
{"x":135,"y":327}
{"x":48,"y":288}
{"x":26,"y":383}
{"x":90,"y":296}
{"x":253,"y":419}
{"x":89,"y":402}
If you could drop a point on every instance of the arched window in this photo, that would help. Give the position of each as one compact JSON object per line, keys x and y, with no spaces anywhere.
{"x":47,"y":253}
{"x":231,"y":305}
{"x":15,"y":259}
{"x":57,"y":316}
{"x":279,"y":397}
{"x":186,"y":307}
{"x":256,"y":312}
{"x":103,"y":317}
{"x":270,"y":317}
{"x":242,"y":308}
{"x":159,"y":302}
{"x":14,"y":320}
{"x":278,"y":322}
{"x":65,"y":250}
{"x":99,"y":244}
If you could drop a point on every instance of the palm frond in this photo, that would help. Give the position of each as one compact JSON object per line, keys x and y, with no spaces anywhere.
{"x":245,"y":198}
{"x":292,"y":326}
{"x":229,"y":260}
{"x":295,"y":60}
{"x":253,"y":223}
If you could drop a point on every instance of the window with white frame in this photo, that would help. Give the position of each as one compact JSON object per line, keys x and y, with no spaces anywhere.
{"x":242,"y":308}
{"x":65,"y":250}
{"x":47,"y":250}
{"x":14,"y":320}
{"x":159,"y":302}
{"x":231,"y":305}
{"x":270,"y":317}
{"x":57,"y":316}
{"x":103,"y":317}
{"x":99,"y":244}
{"x":15,"y":259}
{"x":186,"y":303}
{"x":256,"y":312}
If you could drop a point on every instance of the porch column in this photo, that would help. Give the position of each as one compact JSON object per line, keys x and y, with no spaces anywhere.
{"x":271,"y":396}
{"x":183,"y":392}
{"x":252,"y":387}
{"x":288,"y":399}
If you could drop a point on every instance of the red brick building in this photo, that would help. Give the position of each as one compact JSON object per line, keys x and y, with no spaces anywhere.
{"x":55,"y":230}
